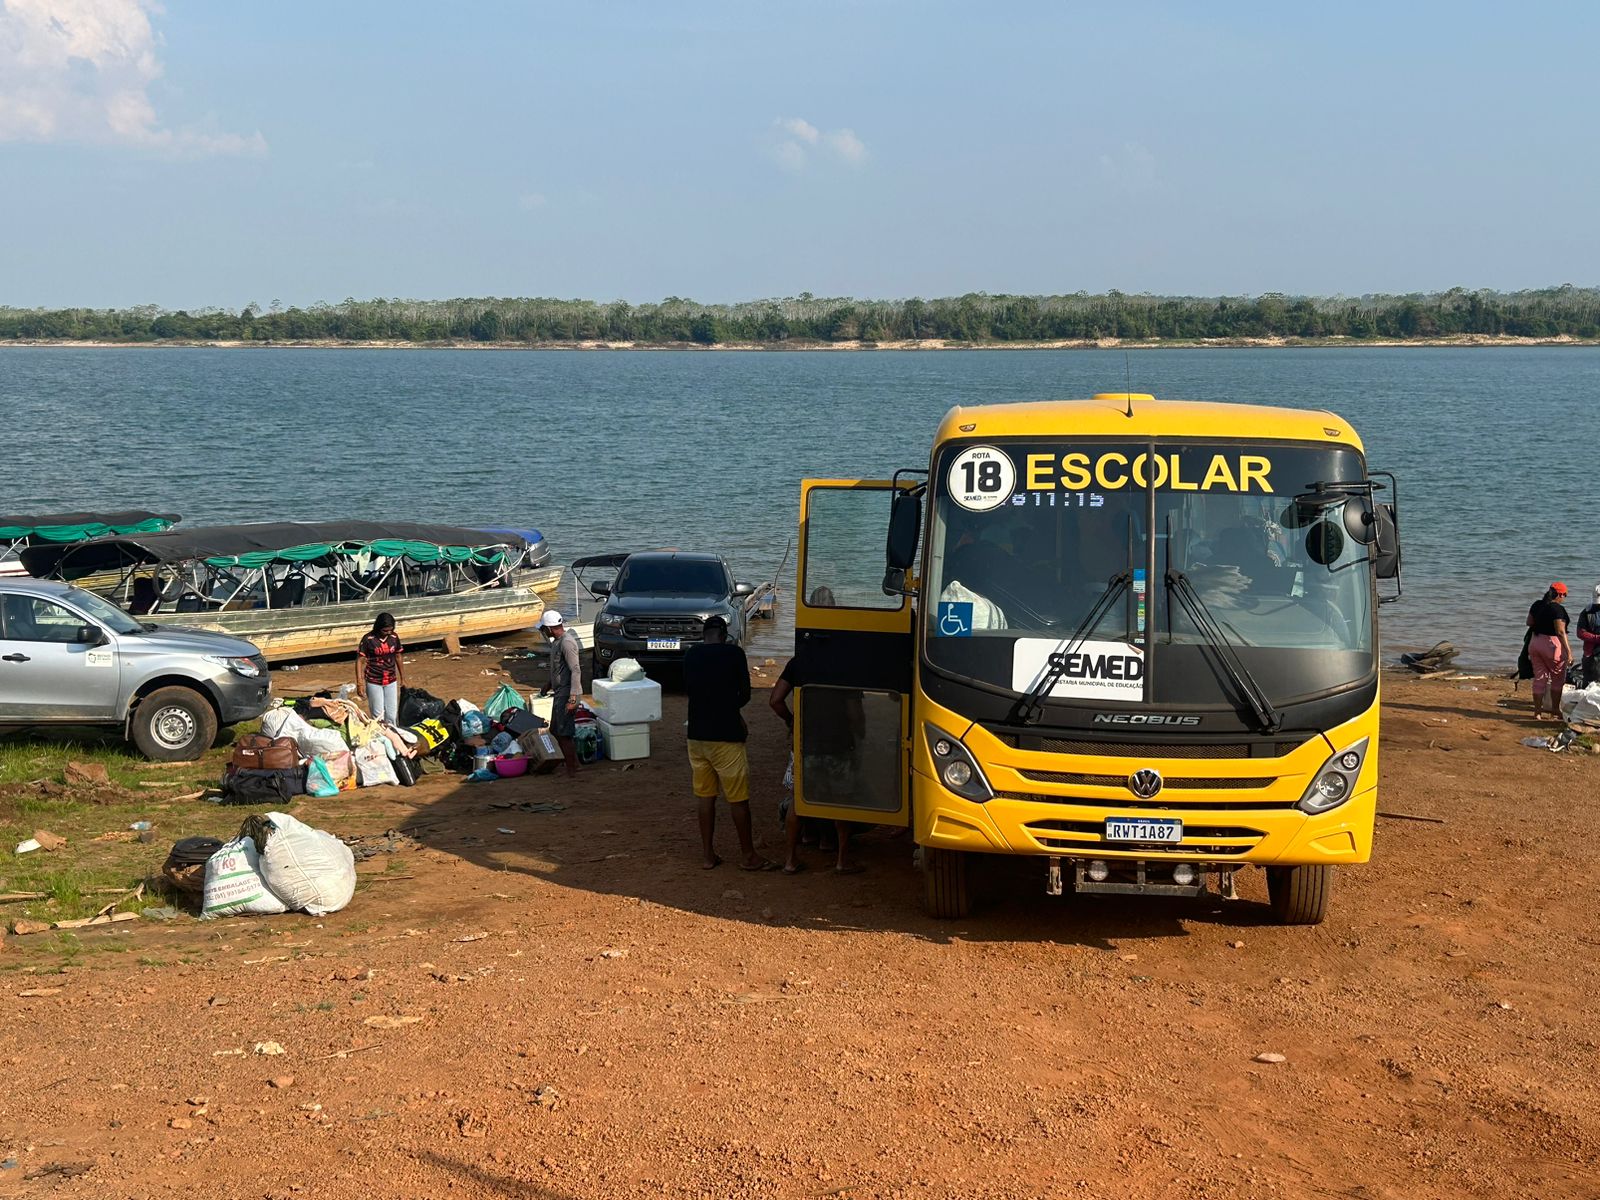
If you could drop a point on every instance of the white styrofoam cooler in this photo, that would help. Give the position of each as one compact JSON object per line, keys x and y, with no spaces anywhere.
{"x":624,"y":741}
{"x":630,"y":702}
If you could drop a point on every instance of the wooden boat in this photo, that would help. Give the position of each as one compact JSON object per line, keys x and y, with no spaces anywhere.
{"x":17,"y":533}
{"x":302,"y":590}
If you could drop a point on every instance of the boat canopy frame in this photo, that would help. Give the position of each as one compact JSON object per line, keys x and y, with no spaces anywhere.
{"x":288,"y":564}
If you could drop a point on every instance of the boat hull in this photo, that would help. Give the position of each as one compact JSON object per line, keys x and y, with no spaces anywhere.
{"x":287,"y":634}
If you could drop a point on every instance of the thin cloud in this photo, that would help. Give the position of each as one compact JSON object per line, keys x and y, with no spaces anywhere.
{"x":793,"y":143}
{"x":529,"y":201}
{"x":81,"y":70}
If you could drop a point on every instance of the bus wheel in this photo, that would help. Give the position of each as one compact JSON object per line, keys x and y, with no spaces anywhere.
{"x":1299,"y":895}
{"x":946,"y":891}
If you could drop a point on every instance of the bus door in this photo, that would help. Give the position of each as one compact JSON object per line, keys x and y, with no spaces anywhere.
{"x":853,"y":660}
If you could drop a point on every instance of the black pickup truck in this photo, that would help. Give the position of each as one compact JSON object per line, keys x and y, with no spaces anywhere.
{"x":657,"y":606}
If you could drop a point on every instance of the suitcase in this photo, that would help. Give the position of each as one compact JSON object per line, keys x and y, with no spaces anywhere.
{"x":258,"y":752}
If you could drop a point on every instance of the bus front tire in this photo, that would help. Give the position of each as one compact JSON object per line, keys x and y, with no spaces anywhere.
{"x":947,"y":892}
{"x":1299,"y":895}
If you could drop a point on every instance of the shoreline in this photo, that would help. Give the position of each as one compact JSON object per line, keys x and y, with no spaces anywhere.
{"x":1467,"y":341}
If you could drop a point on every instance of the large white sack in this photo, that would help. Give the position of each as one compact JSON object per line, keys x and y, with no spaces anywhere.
{"x":307,"y":868}
{"x":234,"y":886}
{"x":283,"y":721}
{"x":1581,"y":704}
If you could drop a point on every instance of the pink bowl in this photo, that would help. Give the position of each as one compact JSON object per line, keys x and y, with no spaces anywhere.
{"x":509,"y":767}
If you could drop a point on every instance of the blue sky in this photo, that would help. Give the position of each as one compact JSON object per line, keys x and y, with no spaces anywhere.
{"x":194,"y":154}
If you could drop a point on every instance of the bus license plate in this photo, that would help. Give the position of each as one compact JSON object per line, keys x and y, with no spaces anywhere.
{"x":663,"y":644}
{"x":1143,"y":829}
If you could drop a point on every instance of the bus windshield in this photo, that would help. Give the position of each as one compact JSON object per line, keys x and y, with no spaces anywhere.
{"x":1015,"y":572}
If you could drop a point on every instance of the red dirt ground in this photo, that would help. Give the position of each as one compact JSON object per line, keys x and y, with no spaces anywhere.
{"x":586,"y":1013}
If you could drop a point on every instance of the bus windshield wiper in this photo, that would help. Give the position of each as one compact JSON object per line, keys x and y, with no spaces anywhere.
{"x":1205,"y":621}
{"x":1029,"y":707}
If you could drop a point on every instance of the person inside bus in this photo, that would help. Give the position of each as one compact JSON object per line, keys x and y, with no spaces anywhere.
{"x":144,"y":598}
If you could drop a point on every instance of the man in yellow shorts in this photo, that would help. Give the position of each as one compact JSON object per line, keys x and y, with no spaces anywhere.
{"x":717,"y":680}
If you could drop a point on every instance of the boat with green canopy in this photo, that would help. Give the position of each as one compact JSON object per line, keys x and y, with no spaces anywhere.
{"x":18,"y":532}
{"x":304,"y":589}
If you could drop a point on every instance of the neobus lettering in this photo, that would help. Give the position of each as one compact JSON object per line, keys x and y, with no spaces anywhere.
{"x":1114,"y":470}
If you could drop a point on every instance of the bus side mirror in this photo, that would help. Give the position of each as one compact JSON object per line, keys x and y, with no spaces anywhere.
{"x":1360,"y":522}
{"x":1387,"y":540}
{"x":900,"y":549}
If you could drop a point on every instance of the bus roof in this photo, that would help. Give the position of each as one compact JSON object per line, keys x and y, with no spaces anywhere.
{"x":1106,"y":415}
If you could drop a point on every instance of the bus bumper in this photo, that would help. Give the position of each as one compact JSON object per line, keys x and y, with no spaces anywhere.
{"x":1282,"y":836}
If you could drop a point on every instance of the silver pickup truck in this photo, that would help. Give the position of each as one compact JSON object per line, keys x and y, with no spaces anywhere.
{"x":69,"y":657}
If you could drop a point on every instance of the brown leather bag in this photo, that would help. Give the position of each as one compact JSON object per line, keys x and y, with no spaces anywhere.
{"x":258,"y":752}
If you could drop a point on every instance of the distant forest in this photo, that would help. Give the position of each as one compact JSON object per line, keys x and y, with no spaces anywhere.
{"x":974,"y":319}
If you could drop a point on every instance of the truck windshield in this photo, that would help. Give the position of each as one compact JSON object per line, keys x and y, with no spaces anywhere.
{"x":672,"y":577}
{"x":1013,"y":574}
{"x":108,"y":614}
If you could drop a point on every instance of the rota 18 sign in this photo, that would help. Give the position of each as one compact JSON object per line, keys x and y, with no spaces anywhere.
{"x":981,"y":478}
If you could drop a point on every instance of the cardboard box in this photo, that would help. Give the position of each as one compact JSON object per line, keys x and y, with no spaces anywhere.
{"x":542,"y":749}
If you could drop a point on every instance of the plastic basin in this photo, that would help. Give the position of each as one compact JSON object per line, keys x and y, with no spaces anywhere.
{"x":510,"y":767}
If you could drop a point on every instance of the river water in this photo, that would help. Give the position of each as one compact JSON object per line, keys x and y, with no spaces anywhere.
{"x":621,"y":450}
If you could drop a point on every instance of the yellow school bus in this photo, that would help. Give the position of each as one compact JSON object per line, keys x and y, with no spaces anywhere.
{"x":1134,"y":641}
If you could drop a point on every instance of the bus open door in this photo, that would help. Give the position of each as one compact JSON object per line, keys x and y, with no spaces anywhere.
{"x":853,"y":659}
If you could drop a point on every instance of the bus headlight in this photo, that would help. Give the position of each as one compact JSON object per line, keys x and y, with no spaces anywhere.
{"x":1335,"y":780}
{"x":956,"y":767}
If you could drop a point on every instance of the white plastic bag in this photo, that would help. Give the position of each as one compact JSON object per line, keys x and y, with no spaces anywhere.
{"x":986,"y":613}
{"x":234,"y":886}
{"x":307,"y":868}
{"x":373,"y":766}
{"x":625,"y":669}
{"x":1581,"y":704}
{"x":285,"y":722}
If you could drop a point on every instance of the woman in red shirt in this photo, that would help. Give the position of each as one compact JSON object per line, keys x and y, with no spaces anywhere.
{"x":378,"y":667}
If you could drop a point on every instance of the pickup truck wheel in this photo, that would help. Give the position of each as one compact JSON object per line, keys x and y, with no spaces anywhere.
{"x":947,"y":894}
{"x":1299,"y":895}
{"x":174,"y":724}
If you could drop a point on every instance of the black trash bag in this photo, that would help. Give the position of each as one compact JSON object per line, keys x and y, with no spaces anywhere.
{"x":418,"y":705}
{"x":405,"y":771}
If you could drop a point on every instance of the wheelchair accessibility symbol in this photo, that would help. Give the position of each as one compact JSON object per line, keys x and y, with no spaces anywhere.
{"x":955,"y":618}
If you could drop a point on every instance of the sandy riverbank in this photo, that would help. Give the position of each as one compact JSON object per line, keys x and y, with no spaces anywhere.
{"x":556,"y":1003}
{"x":1463,"y":340}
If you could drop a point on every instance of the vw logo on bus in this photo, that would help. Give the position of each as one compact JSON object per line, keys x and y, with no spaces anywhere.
{"x":1144,"y":783}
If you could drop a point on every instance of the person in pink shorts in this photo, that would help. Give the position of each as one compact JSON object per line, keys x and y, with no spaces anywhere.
{"x":1549,"y":649}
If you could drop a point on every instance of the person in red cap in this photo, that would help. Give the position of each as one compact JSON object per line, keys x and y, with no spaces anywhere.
{"x":1549,"y":649}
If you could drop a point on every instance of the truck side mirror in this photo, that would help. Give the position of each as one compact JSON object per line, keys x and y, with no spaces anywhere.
{"x":600,"y":587}
{"x":90,"y":635}
{"x":744,"y":589}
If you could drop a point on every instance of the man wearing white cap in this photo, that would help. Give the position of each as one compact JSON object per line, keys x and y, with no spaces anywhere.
{"x":566,"y":680}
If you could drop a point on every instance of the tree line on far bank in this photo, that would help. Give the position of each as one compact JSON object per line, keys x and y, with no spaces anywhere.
{"x":973,"y":318}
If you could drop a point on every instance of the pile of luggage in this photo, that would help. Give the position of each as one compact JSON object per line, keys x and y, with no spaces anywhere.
{"x":322,"y":745}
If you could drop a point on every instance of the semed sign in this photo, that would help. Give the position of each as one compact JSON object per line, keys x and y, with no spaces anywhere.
{"x":1102,"y":670}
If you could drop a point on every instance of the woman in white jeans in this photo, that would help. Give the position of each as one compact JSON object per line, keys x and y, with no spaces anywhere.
{"x":378,"y":666}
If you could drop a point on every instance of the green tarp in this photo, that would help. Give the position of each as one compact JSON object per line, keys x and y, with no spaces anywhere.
{"x":79,"y":527}
{"x":418,"y":552}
